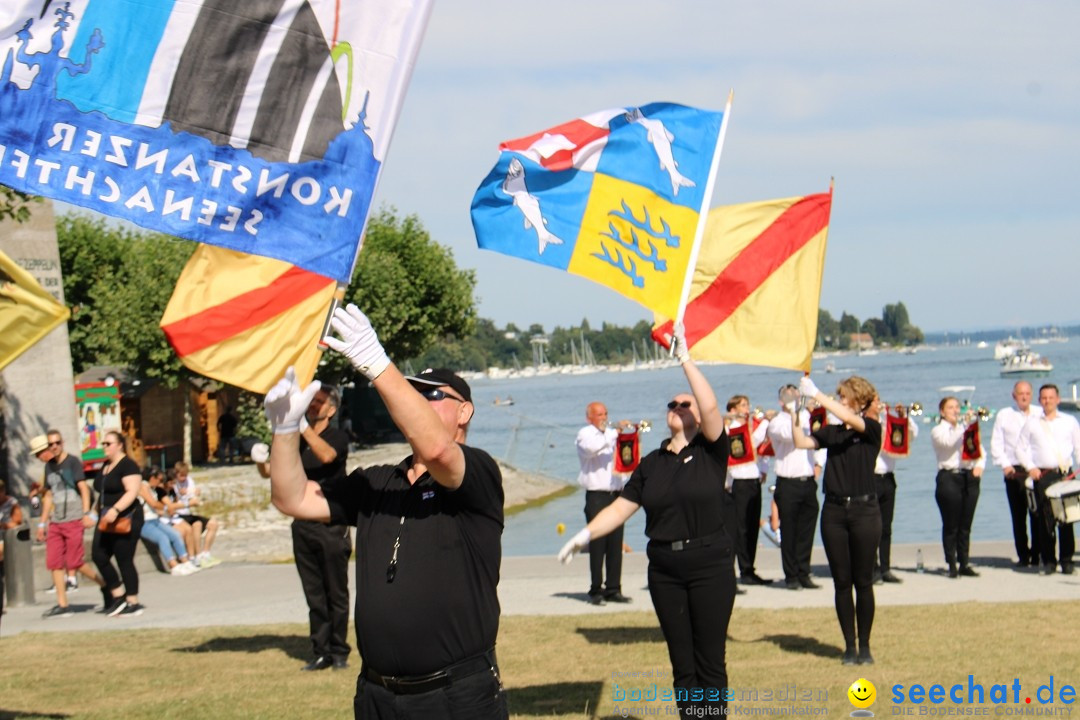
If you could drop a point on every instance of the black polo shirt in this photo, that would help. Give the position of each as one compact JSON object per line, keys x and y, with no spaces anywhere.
{"x":849,"y":470}
{"x":316,"y":469}
{"x":442,"y":606}
{"x":683,"y":495}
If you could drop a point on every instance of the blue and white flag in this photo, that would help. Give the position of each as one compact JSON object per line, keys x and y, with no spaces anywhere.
{"x":256,"y":125}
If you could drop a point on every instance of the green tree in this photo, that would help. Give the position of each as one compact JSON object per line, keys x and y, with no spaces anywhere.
{"x":410,"y":288}
{"x":118,"y":282}
{"x":849,"y":323}
{"x":15,"y":205}
{"x":828,"y":329}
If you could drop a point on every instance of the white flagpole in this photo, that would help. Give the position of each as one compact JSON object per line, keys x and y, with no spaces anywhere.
{"x":706,"y":199}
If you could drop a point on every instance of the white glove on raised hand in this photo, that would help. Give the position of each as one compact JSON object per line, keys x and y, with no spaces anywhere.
{"x":260,"y":453}
{"x":807,"y":387}
{"x":358,"y":341}
{"x":678,"y":342}
{"x":574,"y":545}
{"x":286,"y":403}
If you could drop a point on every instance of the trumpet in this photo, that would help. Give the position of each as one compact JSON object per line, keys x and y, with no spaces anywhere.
{"x":642,"y":426}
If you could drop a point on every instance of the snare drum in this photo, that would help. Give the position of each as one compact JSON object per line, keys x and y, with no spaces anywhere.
{"x":1064,"y":500}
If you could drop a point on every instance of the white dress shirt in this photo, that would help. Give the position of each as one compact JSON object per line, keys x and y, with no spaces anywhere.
{"x":1049,"y":443}
{"x":750,"y":470}
{"x":790,"y":461}
{"x":596,"y":455}
{"x":887,"y":463}
{"x":948,"y":441}
{"x":1007,"y":426}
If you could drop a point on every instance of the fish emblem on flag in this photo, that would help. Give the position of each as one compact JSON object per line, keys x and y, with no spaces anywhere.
{"x":614,"y":196}
{"x":259,"y":126}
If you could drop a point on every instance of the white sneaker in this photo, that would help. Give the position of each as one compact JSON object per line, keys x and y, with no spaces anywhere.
{"x":179,"y":569}
{"x":72,"y":584}
{"x":206,"y":560}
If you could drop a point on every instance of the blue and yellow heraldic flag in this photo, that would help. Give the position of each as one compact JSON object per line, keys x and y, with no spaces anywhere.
{"x":613,"y":196}
{"x":256,"y":125}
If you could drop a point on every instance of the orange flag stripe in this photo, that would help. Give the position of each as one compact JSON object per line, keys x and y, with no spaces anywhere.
{"x":243,"y":312}
{"x":790,"y":232}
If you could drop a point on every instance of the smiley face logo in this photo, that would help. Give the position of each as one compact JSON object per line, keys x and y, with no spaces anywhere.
{"x":862,"y":693}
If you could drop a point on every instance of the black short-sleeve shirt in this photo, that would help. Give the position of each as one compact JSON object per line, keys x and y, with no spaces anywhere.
{"x":683,"y":494}
{"x":849,"y":470}
{"x":316,"y":469}
{"x":110,"y":485}
{"x":442,"y":606}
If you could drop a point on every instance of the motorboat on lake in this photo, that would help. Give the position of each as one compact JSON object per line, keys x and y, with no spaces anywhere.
{"x":1026,"y":362}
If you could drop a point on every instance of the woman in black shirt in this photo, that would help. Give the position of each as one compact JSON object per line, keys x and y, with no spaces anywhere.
{"x":118,"y":487}
{"x":850,"y":516}
{"x":691,"y":574}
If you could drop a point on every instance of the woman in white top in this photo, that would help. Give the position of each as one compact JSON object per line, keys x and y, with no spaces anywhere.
{"x":957,"y":485}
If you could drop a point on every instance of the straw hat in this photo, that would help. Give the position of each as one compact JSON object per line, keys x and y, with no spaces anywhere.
{"x":38,"y":444}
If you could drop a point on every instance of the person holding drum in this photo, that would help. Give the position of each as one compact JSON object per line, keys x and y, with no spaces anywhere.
{"x":1048,"y":447}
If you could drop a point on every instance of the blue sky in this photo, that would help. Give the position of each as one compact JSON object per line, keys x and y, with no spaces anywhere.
{"x":952,"y":129}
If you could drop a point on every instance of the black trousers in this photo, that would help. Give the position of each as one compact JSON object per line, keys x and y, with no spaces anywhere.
{"x":1047,"y":525}
{"x":607,"y":551}
{"x":476,"y":697}
{"x":851,"y":533}
{"x":885,"y":487}
{"x":1016,"y":494}
{"x":797,"y":503}
{"x":957,"y":494}
{"x":693,"y":592}
{"x":746,"y":495}
{"x":107,"y":546}
{"x":322,"y":558}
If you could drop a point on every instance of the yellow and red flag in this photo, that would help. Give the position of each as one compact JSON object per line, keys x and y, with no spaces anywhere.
{"x":757,"y":283}
{"x":27,"y":311}
{"x":243,"y":319}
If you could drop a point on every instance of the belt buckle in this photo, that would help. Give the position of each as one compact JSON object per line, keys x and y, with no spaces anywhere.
{"x":677,"y":545}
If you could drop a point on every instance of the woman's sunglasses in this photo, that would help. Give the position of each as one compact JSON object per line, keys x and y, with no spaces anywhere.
{"x":685,"y":404}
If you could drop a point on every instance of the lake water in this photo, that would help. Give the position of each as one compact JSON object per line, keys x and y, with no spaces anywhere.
{"x":537,"y":432}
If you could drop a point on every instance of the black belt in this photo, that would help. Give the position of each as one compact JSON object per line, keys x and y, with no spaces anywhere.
{"x":846,"y":500}
{"x":679,"y":545}
{"x":954,"y":471}
{"x":416,"y":684}
{"x":801,"y":478}
{"x":605,"y":492}
{"x":753,"y":479}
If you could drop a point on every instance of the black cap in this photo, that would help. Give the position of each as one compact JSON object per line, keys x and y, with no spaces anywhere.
{"x":441,"y":377}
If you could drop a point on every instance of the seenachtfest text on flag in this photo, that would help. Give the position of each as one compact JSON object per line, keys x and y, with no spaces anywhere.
{"x":260,"y":126}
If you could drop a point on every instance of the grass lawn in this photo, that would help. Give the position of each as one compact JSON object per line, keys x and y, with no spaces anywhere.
{"x":553,"y":667}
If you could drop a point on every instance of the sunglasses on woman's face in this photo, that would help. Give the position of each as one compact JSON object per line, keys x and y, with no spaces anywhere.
{"x":685,"y":404}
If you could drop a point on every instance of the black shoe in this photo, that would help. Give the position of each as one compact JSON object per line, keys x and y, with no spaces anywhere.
{"x":617,"y":597}
{"x":596,"y":599}
{"x":888,"y":577}
{"x":1046,"y":569}
{"x":968,"y":571}
{"x":865,"y":658}
{"x":739,"y":590}
{"x":1067,"y":569}
{"x":809,"y":584}
{"x":849,"y":657}
{"x":115,"y":606}
{"x":794,"y":585}
{"x":319,"y":663}
{"x":752,"y":578}
{"x":877,"y":579}
{"x":341,"y":664}
{"x":952,"y":572}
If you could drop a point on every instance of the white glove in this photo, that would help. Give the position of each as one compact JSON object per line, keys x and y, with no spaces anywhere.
{"x":260,"y":453}
{"x":286,"y":403}
{"x":575,"y":544}
{"x":807,"y":387}
{"x":791,"y":407}
{"x":358,"y":341}
{"x":304,"y":424}
{"x":682,"y":350}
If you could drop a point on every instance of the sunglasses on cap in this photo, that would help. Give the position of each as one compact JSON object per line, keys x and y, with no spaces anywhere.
{"x":434,"y":394}
{"x":685,"y":404}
